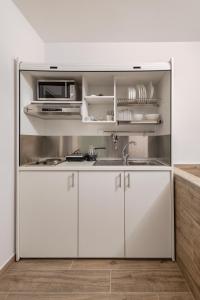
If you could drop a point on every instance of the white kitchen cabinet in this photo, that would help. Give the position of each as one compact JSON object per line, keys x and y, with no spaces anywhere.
{"x":48,"y":210}
{"x":101,"y":214}
{"x":148,"y":214}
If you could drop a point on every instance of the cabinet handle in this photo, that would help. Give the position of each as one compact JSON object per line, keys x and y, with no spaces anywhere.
{"x":128,"y":180}
{"x":73,"y":184}
{"x":120,"y":180}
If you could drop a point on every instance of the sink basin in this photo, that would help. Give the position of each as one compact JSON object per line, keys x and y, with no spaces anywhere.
{"x":108,"y":163}
{"x":143,"y":163}
{"x":132,"y":162}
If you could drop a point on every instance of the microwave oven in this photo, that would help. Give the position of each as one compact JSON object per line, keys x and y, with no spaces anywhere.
{"x":55,"y":90}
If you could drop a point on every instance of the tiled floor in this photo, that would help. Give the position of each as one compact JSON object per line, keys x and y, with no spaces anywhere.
{"x":93,"y":280}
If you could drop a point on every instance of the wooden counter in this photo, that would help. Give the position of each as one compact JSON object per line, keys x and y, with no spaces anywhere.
{"x":187,"y":218}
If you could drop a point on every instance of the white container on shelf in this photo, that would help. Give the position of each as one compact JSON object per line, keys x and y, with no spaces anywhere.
{"x":138,"y":117}
{"x":152,"y":117}
{"x":125,"y":115}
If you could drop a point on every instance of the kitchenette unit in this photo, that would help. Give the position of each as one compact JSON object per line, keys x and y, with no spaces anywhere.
{"x":94,"y":166}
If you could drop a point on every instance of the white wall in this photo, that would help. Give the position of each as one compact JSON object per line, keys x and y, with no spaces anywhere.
{"x":186,"y":117}
{"x":18,"y":39}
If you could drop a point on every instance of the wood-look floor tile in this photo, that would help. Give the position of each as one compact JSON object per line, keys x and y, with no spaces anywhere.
{"x":176,"y":296}
{"x":122,"y":264}
{"x":83,"y":297}
{"x":148,"y":281}
{"x":3,"y":296}
{"x":42,"y":264}
{"x":55,"y":281}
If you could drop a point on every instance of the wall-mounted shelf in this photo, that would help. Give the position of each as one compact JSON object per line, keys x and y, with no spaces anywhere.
{"x":143,"y":122}
{"x":137,"y":102}
{"x":99,"y":122}
{"x":99,"y":99}
{"x":53,"y":111}
{"x":56,"y":102}
{"x":129,"y":131}
{"x":54,"y":116}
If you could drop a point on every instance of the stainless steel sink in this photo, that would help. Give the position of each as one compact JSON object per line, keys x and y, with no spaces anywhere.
{"x":143,"y":163}
{"x":131,"y":162}
{"x":108,"y":163}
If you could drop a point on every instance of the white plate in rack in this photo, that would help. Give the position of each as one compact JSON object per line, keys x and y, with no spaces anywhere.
{"x":138,"y":93}
{"x":144,"y":92}
{"x":150,"y":91}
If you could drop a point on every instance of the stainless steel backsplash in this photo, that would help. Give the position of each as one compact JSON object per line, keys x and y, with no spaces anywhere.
{"x":34,"y":147}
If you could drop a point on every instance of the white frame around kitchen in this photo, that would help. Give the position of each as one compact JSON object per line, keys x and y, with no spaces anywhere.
{"x":19,"y":66}
{"x":17,"y":84}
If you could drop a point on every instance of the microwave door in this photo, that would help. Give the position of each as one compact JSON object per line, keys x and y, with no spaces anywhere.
{"x":51,"y":91}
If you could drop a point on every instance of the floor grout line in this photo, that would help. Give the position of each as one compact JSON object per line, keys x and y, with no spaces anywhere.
{"x":70,"y":267}
{"x":110,"y":280}
{"x":7,"y":296}
{"x":113,"y":269}
{"x":87,"y":293}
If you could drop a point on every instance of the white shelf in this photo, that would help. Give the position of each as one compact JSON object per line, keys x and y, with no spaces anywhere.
{"x":144,"y":122}
{"x":56,"y":102}
{"x":99,"y":122}
{"x":99,"y":99}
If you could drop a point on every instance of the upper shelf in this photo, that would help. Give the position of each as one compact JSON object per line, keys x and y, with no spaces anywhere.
{"x":55,"y":102}
{"x":99,"y":99}
{"x":143,"y":122}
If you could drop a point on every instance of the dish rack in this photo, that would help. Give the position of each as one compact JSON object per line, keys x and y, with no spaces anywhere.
{"x":129,"y":102}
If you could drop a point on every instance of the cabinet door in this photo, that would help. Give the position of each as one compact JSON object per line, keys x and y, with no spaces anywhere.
{"x":101,"y":214}
{"x":148,"y":222}
{"x":48,"y":214}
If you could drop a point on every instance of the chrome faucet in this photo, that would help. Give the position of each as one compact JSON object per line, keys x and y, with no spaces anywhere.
{"x":115,"y":140}
{"x":125,"y":156}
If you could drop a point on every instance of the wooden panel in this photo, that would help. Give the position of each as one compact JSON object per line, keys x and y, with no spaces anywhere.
{"x":101,"y":214}
{"x":187,"y":204}
{"x":48,"y":214}
{"x":148,"y":210}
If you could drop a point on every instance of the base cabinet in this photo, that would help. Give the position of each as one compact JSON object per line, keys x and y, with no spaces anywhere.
{"x":95,"y":214}
{"x":48,"y":214}
{"x":148,"y":211}
{"x":101,"y":214}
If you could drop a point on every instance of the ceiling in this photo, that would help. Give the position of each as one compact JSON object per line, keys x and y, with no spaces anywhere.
{"x":113,"y":20}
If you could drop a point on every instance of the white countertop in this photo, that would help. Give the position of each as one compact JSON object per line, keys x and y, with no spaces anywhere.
{"x":89,"y":166}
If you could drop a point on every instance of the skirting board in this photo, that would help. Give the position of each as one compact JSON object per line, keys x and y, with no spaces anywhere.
{"x":7,"y":264}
